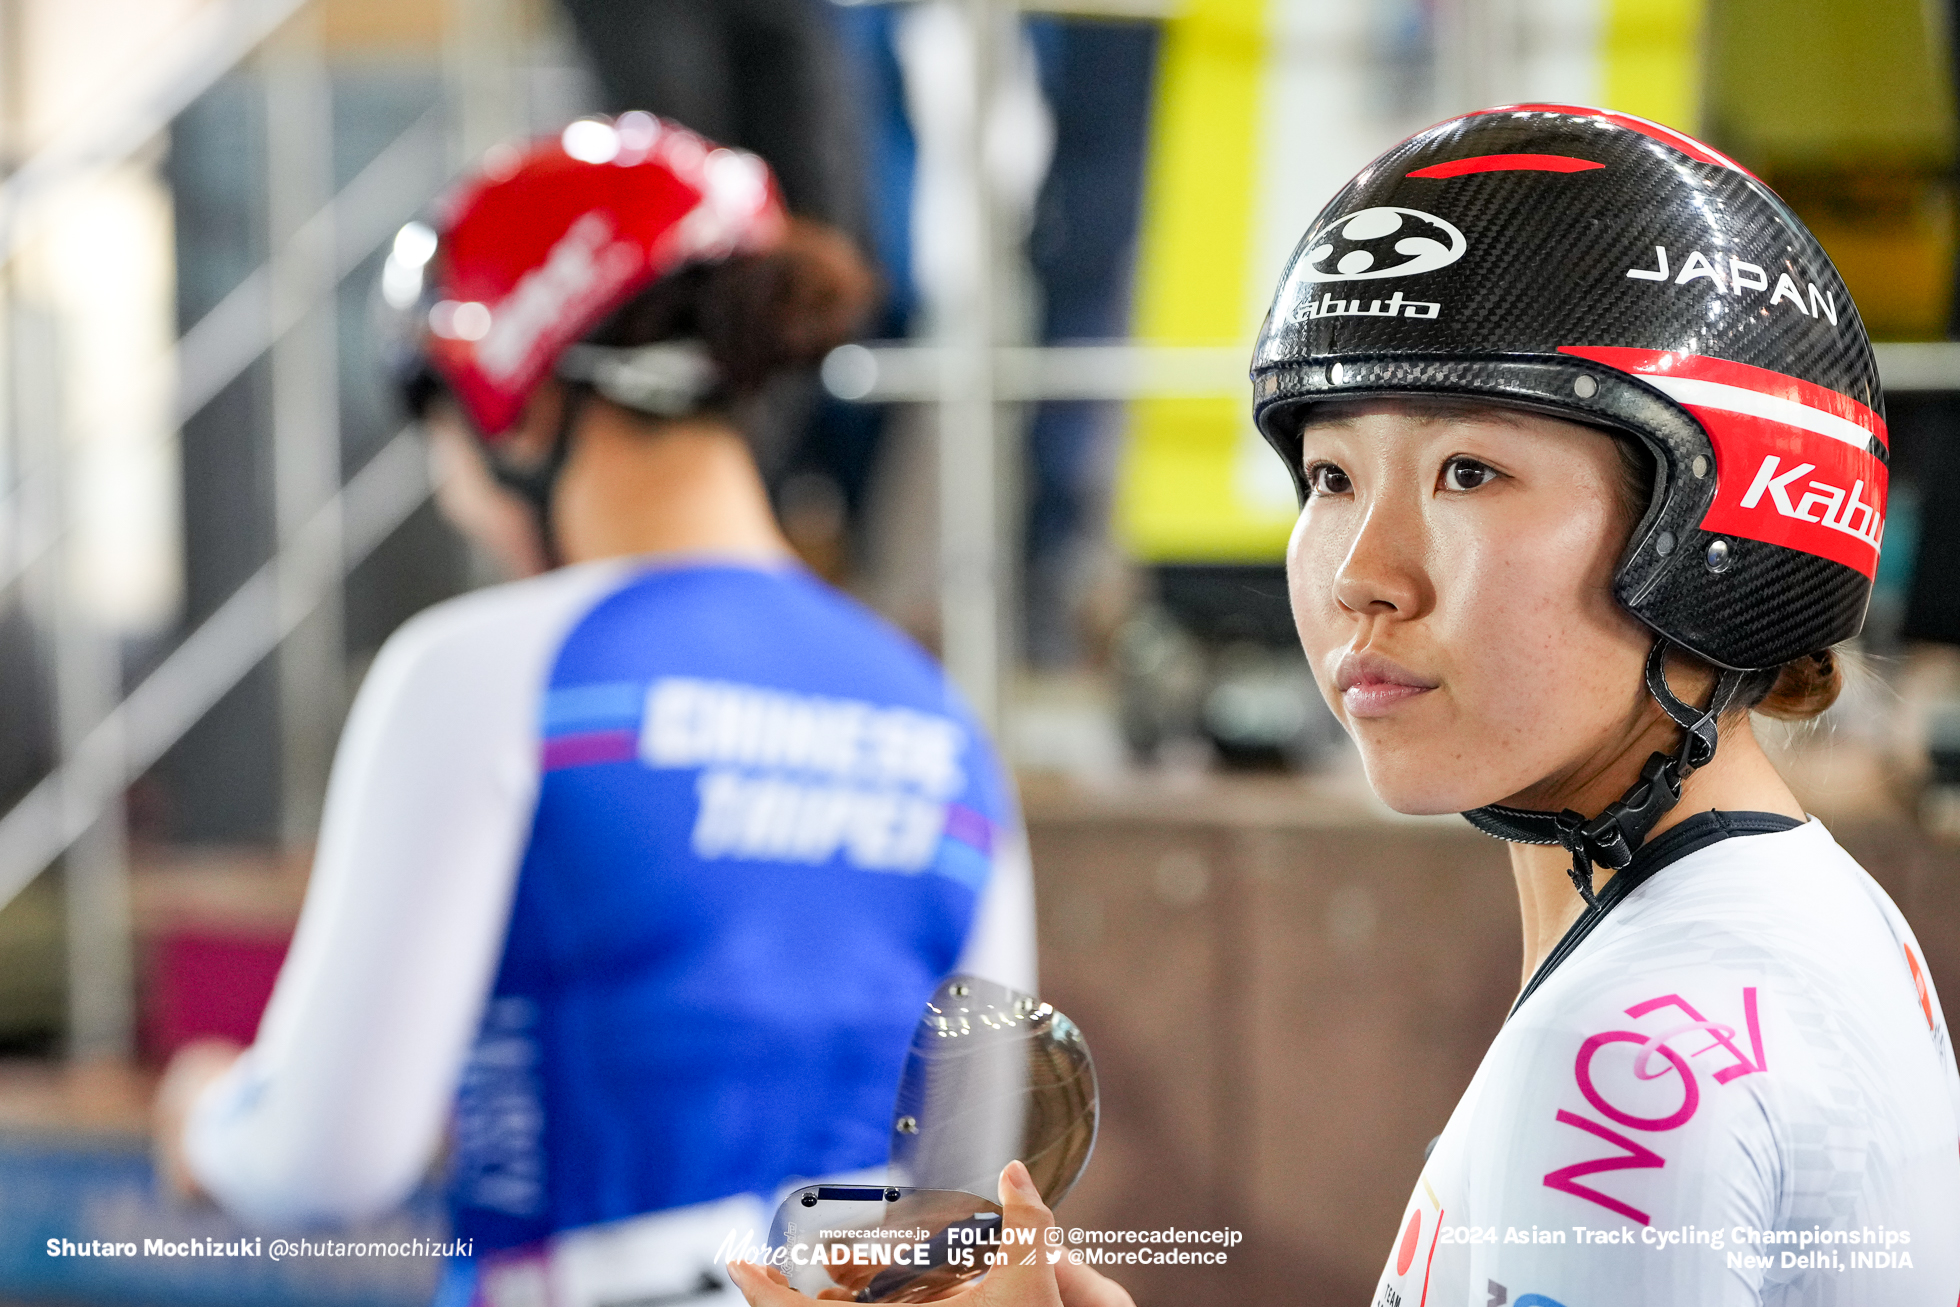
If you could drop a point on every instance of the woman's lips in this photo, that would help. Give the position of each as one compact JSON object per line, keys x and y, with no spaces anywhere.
{"x":1374,"y":686}
{"x":1378,"y":698}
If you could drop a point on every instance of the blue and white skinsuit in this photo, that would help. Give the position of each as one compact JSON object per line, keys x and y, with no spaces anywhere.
{"x":641,"y":875}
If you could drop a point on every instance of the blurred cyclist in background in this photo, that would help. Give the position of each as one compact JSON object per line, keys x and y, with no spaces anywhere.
{"x":640,"y":868}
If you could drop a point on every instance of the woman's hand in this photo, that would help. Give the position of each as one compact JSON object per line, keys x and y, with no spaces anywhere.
{"x":194,"y":1066}
{"x":1061,"y":1284}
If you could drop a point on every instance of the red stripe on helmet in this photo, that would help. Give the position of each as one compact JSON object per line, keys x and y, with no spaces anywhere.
{"x":1794,"y":463}
{"x":1784,"y":486}
{"x":1681,"y":141}
{"x":1702,"y":367}
{"x":1507,"y":163}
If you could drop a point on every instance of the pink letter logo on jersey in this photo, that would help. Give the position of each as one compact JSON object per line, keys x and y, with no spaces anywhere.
{"x":1615,"y":1089}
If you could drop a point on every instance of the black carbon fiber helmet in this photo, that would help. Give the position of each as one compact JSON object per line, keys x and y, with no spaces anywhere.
{"x":1605,"y":269}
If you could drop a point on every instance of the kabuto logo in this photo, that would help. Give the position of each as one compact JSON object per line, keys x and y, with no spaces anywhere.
{"x":1381,"y":242}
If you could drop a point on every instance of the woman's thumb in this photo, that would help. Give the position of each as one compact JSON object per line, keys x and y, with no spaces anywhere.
{"x":1027,"y":1277}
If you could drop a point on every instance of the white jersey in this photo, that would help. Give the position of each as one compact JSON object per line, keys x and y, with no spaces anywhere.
{"x":1736,"y":1087}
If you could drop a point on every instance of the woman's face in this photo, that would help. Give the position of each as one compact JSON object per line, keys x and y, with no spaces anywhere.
{"x":1451,"y":581}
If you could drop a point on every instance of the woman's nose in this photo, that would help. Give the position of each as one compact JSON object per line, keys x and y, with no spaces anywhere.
{"x":1382,"y":572}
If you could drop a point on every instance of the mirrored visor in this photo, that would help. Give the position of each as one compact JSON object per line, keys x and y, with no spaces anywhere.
{"x":993,"y":1075}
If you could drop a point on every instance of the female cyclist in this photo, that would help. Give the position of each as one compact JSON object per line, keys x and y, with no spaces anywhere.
{"x":1589,"y":443}
{"x":638,"y":870}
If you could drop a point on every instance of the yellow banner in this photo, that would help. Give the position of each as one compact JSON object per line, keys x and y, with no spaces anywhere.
{"x":1263,"y":108}
{"x":1183,"y":492}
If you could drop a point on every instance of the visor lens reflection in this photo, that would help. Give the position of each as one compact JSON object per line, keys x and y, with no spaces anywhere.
{"x":993,"y":1075}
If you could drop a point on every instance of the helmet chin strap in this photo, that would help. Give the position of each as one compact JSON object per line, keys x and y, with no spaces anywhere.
{"x":534,"y":485}
{"x":1610,"y":838}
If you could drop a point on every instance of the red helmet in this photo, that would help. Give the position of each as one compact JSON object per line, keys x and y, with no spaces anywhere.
{"x":540,"y":245}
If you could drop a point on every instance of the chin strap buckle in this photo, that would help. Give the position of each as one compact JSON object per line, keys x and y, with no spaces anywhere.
{"x":1609,"y":839}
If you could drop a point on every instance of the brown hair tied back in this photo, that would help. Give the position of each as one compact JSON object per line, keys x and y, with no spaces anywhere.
{"x":1804,"y":687}
{"x":758,"y":314}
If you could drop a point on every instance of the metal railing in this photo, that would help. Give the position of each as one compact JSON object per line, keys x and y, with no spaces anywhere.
{"x":1905,"y":367}
{"x":895,"y":373}
{"x":105,"y":740}
{"x":210,"y":44}
{"x":215,"y":350}
{"x":211,"y":661}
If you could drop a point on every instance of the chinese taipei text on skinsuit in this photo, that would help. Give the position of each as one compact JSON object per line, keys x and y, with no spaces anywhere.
{"x":639,"y":871}
{"x":1732,"y":1082}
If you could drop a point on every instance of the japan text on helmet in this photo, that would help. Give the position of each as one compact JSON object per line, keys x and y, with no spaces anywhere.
{"x":1607,"y":270}
{"x":1611,"y":271}
{"x":540,"y":245}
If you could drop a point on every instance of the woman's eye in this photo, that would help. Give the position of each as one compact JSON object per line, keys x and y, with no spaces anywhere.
{"x":1327,"y":479}
{"x":1466,"y":474}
